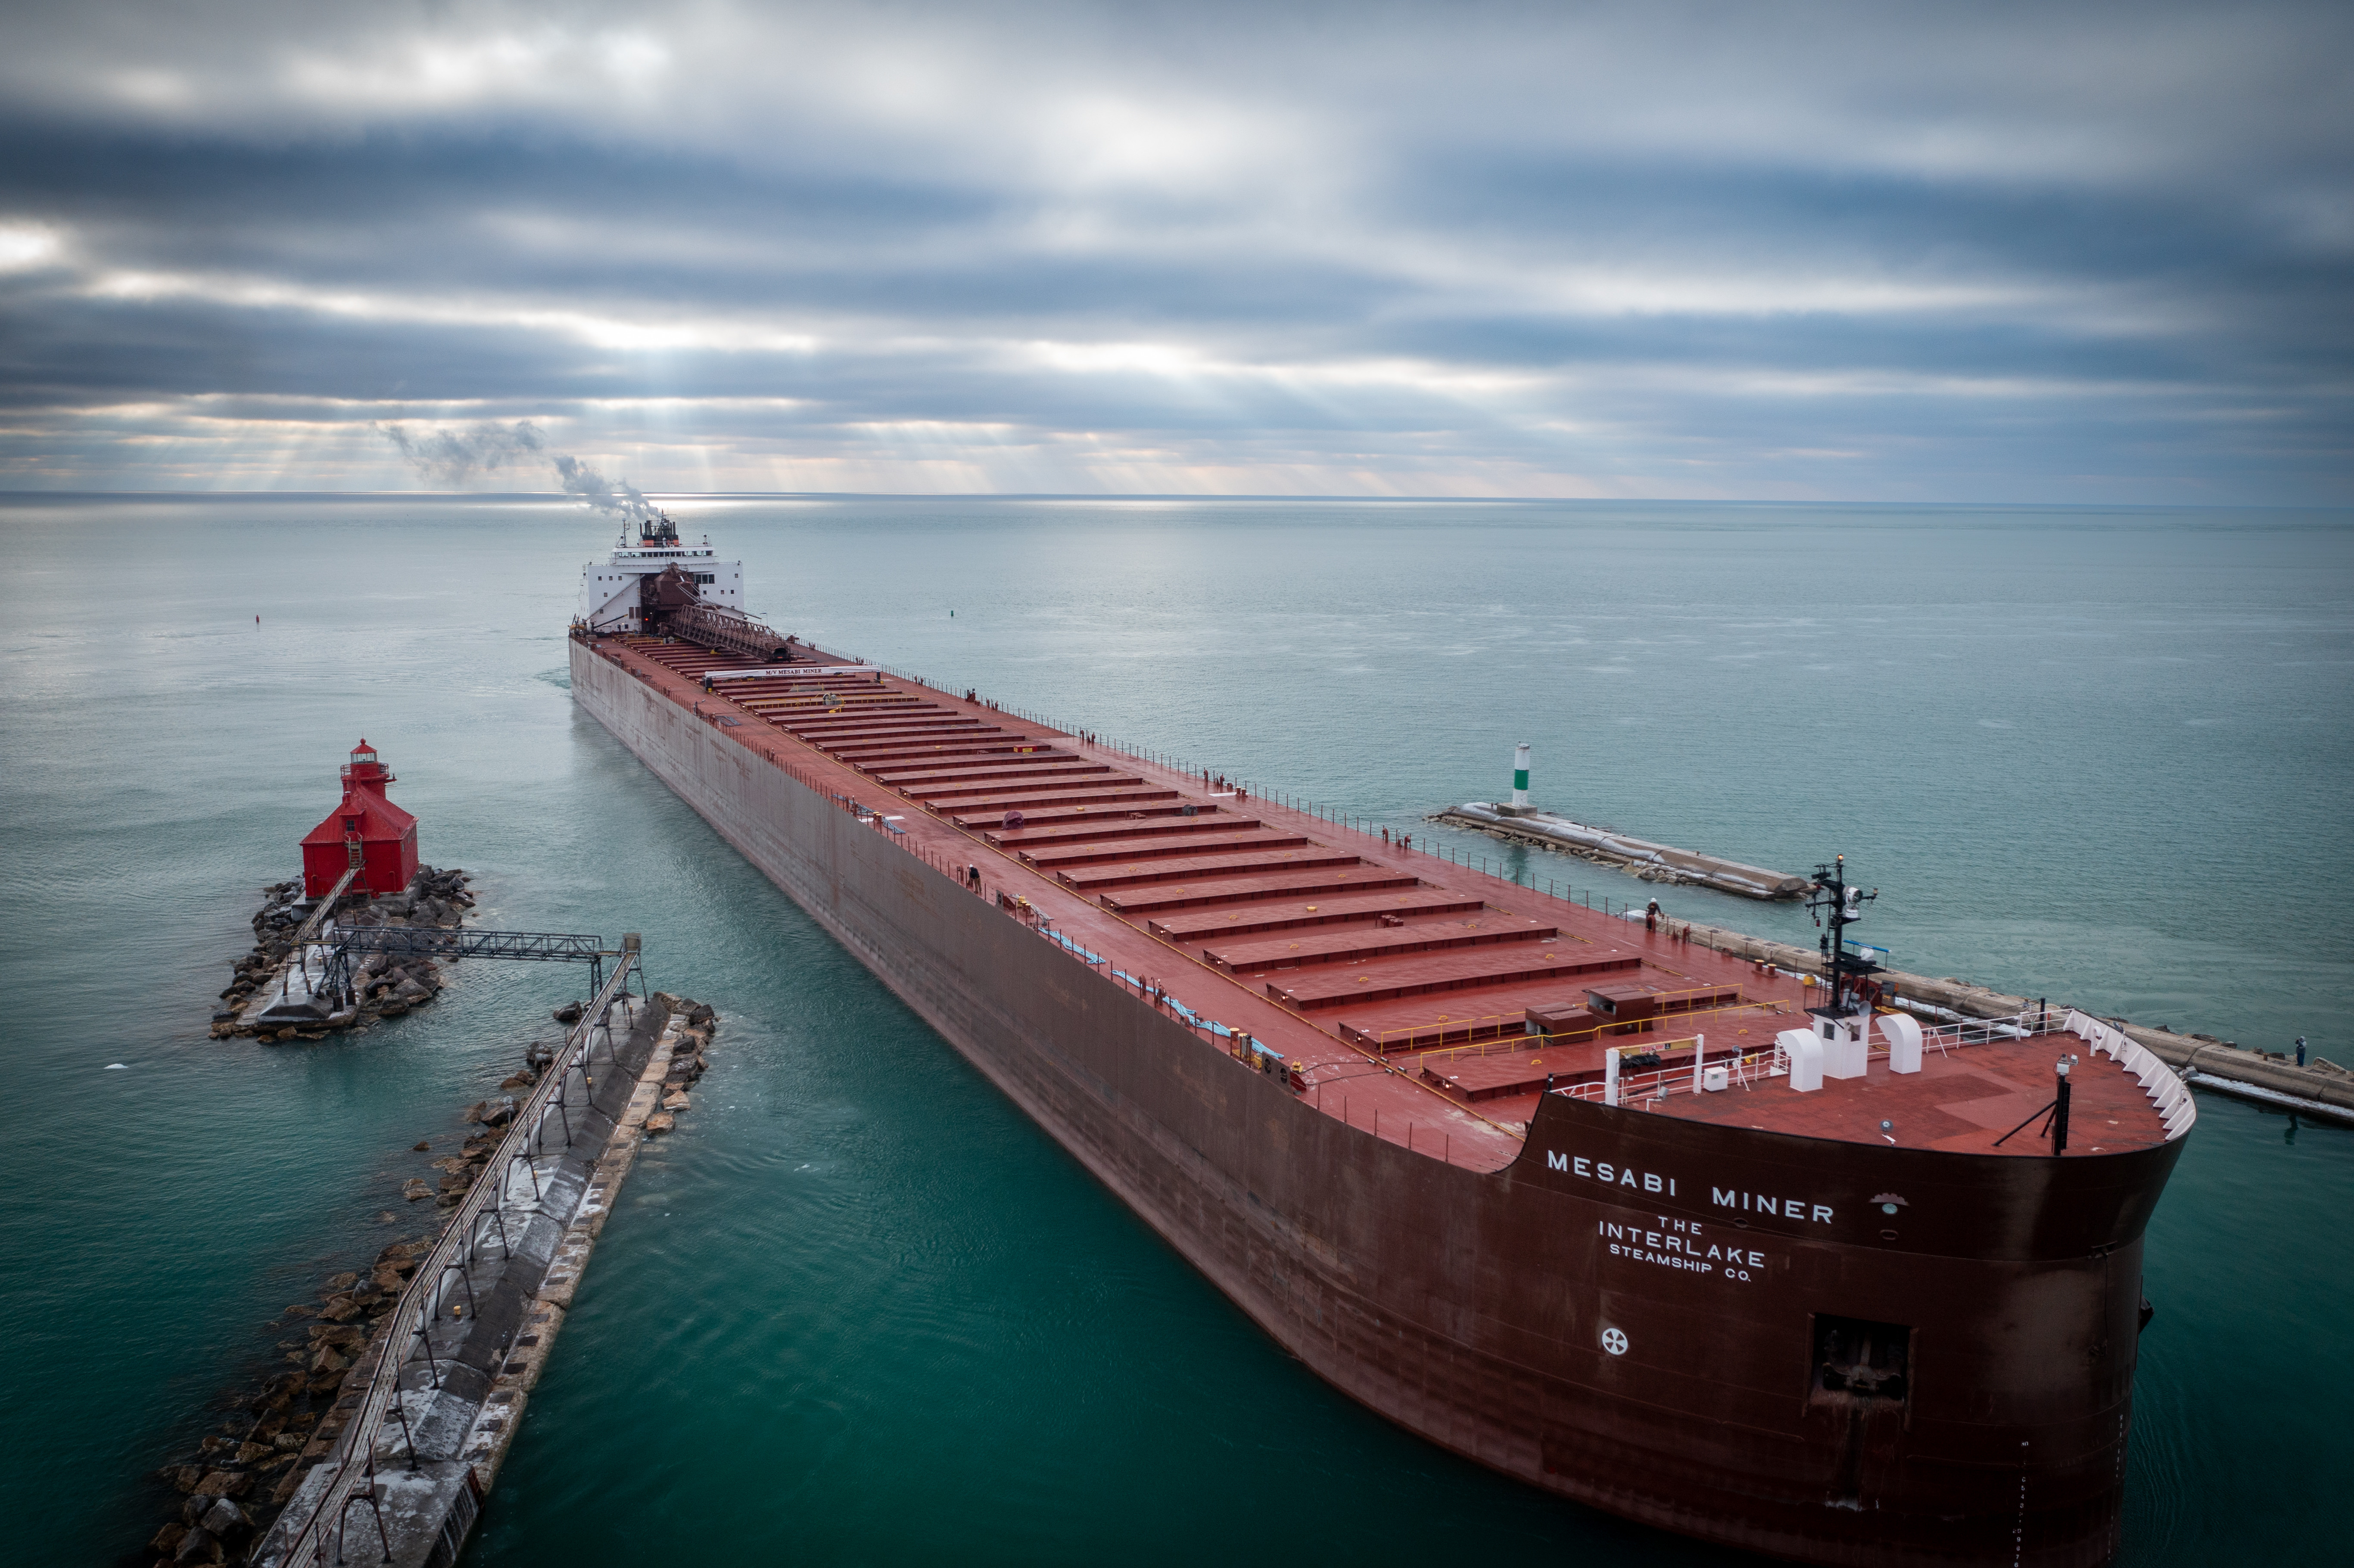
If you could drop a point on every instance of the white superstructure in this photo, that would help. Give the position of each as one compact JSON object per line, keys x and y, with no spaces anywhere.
{"x":609,"y":587}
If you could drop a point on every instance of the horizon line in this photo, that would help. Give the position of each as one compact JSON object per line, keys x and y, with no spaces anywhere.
{"x":13,"y":494}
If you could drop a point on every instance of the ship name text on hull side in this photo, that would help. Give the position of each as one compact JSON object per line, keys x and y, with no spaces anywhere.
{"x":1610,"y":1174}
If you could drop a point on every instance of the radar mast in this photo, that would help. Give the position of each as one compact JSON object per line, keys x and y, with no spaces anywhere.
{"x":1843,"y":972}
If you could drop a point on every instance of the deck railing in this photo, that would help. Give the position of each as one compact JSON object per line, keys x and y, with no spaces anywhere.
{"x":2165,"y":1090}
{"x":2018,"y":1025}
{"x":2173,"y":1100}
{"x":1507,"y":1043}
{"x":1744,"y":1069}
{"x":2024,"y":1024}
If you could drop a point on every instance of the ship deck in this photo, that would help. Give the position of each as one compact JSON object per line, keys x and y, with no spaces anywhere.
{"x":1422,"y":1001}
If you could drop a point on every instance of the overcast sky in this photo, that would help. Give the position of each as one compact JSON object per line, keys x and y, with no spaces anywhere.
{"x":2043,"y":252}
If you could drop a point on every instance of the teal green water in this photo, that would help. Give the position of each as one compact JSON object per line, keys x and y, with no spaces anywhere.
{"x":863,"y":1312}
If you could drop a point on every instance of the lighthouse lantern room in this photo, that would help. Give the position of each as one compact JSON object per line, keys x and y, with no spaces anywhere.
{"x":366,"y":830}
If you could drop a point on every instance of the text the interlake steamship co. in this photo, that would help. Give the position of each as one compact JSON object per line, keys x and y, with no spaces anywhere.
{"x":1680,"y":1244}
{"x":1778,"y":1205}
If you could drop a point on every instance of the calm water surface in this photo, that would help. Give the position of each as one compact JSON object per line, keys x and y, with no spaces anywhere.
{"x":860,"y":1310}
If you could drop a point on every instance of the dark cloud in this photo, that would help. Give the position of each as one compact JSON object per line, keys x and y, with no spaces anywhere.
{"x":2077,"y":252}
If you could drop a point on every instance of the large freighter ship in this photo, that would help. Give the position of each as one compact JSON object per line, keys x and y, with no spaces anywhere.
{"x":1738,"y":1254}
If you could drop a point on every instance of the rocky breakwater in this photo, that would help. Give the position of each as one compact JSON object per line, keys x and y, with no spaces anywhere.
{"x":224,"y":1493}
{"x":490,"y":1340}
{"x":229,"y":1489}
{"x":688,"y":1060}
{"x":269,"y":996}
{"x":222,"y":1498}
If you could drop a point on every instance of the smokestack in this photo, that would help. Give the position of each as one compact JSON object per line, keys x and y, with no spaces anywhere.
{"x":1520,"y":778}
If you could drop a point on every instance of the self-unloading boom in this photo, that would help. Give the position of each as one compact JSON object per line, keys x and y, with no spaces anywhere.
{"x":671,"y":605}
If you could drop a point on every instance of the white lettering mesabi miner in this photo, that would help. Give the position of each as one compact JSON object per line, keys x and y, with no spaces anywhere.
{"x":1627,"y":1178}
{"x":1611,"y":1175}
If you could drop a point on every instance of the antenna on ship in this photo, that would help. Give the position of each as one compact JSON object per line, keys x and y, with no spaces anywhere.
{"x":1843,"y":971}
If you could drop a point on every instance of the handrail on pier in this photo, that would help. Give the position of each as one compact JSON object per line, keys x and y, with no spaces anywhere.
{"x":353,"y":1457}
{"x":309,"y":931}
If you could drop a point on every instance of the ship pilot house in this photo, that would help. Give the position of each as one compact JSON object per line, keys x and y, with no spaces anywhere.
{"x":367,"y":830}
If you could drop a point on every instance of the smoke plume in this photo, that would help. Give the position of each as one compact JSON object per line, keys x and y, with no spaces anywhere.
{"x":452,"y":457}
{"x":617,"y":496}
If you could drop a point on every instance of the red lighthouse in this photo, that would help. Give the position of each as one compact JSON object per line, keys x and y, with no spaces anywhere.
{"x":367,"y":828}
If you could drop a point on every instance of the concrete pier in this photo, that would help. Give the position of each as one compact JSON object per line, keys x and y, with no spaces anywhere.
{"x":459,"y":1405}
{"x":2320,"y":1088}
{"x":1647,"y":861}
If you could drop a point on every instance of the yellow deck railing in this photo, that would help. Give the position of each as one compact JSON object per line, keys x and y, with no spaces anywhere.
{"x":1571,"y":1037}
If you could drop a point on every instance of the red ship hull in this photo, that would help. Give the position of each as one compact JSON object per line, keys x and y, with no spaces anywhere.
{"x":1602,"y":1318}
